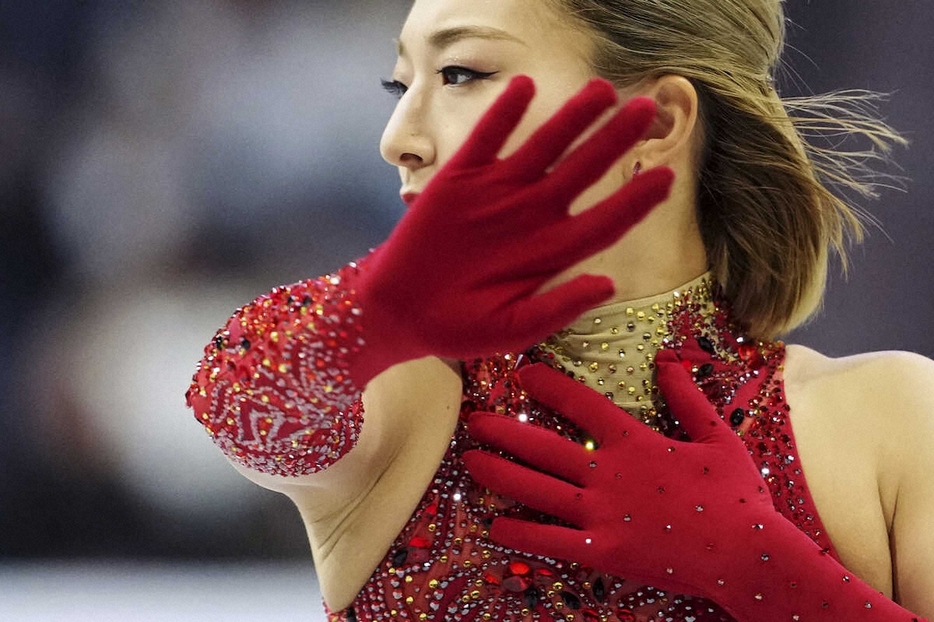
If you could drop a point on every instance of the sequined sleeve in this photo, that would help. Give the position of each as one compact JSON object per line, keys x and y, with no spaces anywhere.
{"x":273,"y":389}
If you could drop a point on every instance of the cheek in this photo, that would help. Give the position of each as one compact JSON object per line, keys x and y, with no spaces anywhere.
{"x":612,"y":181}
{"x":455,"y":119}
{"x":547,"y":102}
{"x":451,"y":138}
{"x":540,"y":110}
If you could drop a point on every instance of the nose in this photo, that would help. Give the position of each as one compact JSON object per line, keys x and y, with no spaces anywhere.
{"x":406,"y":141}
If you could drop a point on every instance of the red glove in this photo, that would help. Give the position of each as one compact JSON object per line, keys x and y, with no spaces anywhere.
{"x":690,"y":517}
{"x":460,"y":273}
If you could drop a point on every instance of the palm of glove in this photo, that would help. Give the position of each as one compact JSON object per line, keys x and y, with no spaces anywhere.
{"x":459,"y":275}
{"x":643,"y":506}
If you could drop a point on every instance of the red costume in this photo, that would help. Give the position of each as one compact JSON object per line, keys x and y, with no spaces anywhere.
{"x":443,"y":565}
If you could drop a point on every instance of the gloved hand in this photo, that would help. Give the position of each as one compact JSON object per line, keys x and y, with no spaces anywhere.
{"x":459,"y":275}
{"x":690,"y":517}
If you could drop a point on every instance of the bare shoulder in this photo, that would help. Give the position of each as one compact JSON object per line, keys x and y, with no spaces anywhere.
{"x":878,"y":405}
{"x":864,"y":426}
{"x":810,"y":361}
{"x":899,"y":383}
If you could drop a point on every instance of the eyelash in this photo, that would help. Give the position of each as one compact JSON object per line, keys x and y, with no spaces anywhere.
{"x":394,"y":88}
{"x":397,"y":89}
{"x":472,"y":75}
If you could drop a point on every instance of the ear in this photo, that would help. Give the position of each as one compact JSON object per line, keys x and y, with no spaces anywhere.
{"x":672,"y":136}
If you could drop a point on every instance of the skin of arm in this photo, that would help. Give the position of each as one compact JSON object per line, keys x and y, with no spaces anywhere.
{"x":864,"y":426}
{"x":353,"y":510}
{"x":912,"y":461}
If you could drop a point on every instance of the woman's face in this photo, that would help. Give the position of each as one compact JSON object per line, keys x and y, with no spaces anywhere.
{"x":456,"y":57}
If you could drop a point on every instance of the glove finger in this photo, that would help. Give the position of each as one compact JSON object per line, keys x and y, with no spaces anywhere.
{"x":540,"y":448}
{"x":496,"y":125}
{"x":558,"y":133}
{"x":608,"y":221}
{"x":545,"y":540}
{"x":589,"y":162}
{"x":529,"y":487}
{"x":687,"y":402}
{"x":542,"y":315}
{"x":587,"y":409}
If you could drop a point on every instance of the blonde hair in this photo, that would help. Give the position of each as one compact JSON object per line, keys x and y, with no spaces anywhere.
{"x":769,"y":167}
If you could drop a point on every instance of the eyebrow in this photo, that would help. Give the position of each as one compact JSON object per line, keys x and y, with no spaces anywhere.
{"x":449,"y":36}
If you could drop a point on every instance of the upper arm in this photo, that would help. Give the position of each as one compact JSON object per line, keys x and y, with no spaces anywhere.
{"x":911,"y":452}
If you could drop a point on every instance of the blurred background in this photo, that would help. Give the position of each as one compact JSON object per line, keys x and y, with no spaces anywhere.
{"x":164,"y":162}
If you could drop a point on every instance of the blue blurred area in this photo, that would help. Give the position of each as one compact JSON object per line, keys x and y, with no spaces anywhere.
{"x":162,"y":162}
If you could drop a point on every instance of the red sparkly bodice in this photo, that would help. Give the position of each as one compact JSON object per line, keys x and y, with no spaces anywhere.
{"x":443,"y":566}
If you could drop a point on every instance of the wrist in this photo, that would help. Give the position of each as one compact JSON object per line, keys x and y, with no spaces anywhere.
{"x":382,"y":339}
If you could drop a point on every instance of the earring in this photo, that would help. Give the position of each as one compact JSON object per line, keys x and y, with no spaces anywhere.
{"x":637,"y":169}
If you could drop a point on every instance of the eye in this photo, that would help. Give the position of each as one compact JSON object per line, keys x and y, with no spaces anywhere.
{"x":456,"y":76}
{"x":394,"y":88}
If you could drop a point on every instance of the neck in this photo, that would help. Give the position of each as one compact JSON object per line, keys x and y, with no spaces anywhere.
{"x":662,"y":252}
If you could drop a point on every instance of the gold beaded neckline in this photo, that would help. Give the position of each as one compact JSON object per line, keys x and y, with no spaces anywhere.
{"x":612,"y":348}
